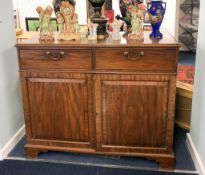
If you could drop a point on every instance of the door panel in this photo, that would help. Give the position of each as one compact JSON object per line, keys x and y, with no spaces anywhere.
{"x":132,"y":112}
{"x":59,"y":109}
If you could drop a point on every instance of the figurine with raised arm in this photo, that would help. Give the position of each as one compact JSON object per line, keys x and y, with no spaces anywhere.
{"x":45,"y":23}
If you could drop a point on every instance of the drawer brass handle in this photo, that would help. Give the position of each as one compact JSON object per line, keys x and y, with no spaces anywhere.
{"x":141,"y":54}
{"x":55,"y":56}
{"x":134,"y":56}
{"x":126,"y":54}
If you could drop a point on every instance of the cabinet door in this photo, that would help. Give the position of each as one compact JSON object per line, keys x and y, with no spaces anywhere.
{"x":58,"y":109}
{"x":135,"y":113}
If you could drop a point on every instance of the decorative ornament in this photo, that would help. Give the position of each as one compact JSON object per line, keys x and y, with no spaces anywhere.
{"x":125,"y":14}
{"x":156,"y":12}
{"x":137,"y":13}
{"x":133,"y":12}
{"x":116,"y":31}
{"x":45,"y":23}
{"x":97,"y":18}
{"x":69,"y":28}
{"x":92,"y":30}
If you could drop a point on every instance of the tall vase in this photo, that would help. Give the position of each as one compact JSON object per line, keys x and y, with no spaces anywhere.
{"x":156,"y":10}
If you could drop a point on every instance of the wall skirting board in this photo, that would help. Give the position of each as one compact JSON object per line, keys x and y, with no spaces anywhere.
{"x":195,"y":155}
{"x":12,"y":143}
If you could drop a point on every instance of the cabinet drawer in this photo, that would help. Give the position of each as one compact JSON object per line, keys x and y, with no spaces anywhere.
{"x":55,"y":59}
{"x":145,"y":59}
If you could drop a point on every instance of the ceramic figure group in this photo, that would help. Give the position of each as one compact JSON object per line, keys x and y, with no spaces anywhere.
{"x":133,"y":12}
{"x":45,"y":23}
{"x":137,"y":13}
{"x":68,"y":22}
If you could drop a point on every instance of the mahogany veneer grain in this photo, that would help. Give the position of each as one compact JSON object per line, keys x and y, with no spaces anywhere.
{"x":96,"y":99}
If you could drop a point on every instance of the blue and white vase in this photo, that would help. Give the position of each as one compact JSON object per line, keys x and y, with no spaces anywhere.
{"x":156,"y":10}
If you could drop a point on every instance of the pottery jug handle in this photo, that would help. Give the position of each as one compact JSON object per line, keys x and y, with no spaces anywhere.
{"x":165,"y":5}
{"x":148,"y":6}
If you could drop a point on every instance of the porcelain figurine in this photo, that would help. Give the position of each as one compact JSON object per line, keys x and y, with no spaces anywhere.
{"x":45,"y":23}
{"x":116,"y":31}
{"x":67,"y":19}
{"x":156,"y":10}
{"x":84,"y":33}
{"x":92,"y":30}
{"x":137,"y":14}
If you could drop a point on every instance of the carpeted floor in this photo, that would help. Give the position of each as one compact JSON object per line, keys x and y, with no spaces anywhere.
{"x":13,"y":167}
{"x":187,"y":58}
{"x":186,"y":67}
{"x":102,"y":163}
{"x":185,"y":74}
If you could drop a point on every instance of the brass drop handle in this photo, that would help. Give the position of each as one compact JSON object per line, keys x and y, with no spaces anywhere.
{"x":141,"y":54}
{"x":48,"y":53}
{"x":55,"y":56}
{"x":126,"y":54}
{"x":134,"y":56}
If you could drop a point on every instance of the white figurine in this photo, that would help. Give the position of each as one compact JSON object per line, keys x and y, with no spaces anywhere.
{"x":92,"y":30}
{"x":116,"y":31}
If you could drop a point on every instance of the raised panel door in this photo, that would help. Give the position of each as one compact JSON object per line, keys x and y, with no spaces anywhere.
{"x":59,"y":109}
{"x":134,"y":113}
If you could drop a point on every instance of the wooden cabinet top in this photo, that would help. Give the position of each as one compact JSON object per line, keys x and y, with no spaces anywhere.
{"x":167,"y":41}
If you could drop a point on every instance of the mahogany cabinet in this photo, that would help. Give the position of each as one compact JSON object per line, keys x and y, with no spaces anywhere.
{"x":109,"y":98}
